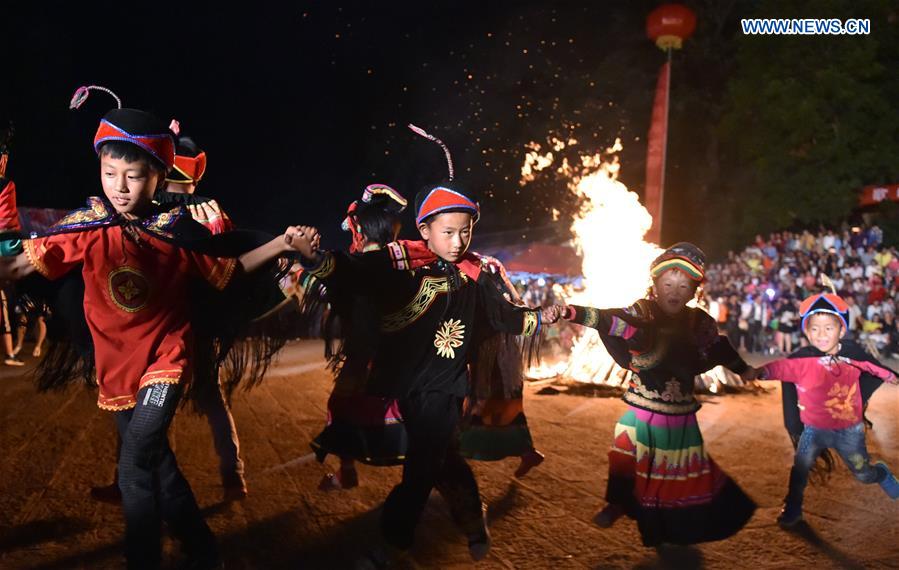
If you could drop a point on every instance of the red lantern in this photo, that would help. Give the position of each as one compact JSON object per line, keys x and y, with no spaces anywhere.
{"x":669,"y":25}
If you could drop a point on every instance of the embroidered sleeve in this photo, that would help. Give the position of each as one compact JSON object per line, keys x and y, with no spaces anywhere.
{"x":605,"y":321}
{"x":54,"y":255}
{"x":217,"y":271}
{"x":504,"y":316}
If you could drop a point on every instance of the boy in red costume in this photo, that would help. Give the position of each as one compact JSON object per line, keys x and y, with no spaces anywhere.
{"x":136,"y":275}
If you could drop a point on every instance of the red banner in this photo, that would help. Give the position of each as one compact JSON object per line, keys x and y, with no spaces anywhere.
{"x":876,"y":194}
{"x":655,"y":155}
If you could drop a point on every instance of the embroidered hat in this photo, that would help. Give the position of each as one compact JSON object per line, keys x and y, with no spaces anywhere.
{"x":190,"y":161}
{"x":684,"y":257}
{"x":829,"y":303}
{"x":376,"y":194}
{"x":440,"y":199}
{"x":133,"y":126}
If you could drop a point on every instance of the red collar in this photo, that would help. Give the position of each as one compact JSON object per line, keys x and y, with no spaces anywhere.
{"x":412,"y":254}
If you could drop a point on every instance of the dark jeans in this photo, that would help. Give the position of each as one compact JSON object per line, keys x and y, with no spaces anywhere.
{"x":432,"y":461}
{"x":212,"y":404}
{"x":153,"y":488}
{"x":849,"y":443}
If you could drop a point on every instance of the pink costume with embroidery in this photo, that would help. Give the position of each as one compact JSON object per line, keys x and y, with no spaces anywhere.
{"x":828,"y":386}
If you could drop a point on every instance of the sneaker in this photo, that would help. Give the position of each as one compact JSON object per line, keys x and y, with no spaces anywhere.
{"x":109,"y":494}
{"x":889,"y":484}
{"x":529,"y":460}
{"x":13,"y":360}
{"x":790,"y":516}
{"x":479,"y":540}
{"x":234,"y":488}
{"x":608,"y":515}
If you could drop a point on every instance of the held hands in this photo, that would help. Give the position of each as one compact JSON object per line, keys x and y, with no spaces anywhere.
{"x":553,"y":313}
{"x":304,"y":239}
{"x":750,"y":374}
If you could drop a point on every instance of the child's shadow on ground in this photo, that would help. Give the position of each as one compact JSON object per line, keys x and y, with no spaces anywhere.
{"x":674,"y":556}
{"x":36,"y":532}
{"x":808,"y":534}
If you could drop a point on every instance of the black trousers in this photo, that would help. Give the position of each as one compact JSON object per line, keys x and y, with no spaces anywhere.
{"x":432,"y":461}
{"x":153,"y":488}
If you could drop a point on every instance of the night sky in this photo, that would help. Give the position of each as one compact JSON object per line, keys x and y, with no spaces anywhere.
{"x":300,"y":106}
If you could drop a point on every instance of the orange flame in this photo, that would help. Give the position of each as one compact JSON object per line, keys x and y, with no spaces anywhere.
{"x":608,"y":230}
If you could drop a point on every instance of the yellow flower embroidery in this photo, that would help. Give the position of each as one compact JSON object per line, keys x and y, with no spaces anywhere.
{"x":841,"y":405}
{"x":449,"y":337}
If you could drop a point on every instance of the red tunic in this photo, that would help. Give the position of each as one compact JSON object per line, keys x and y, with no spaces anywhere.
{"x":829,"y":392}
{"x":135,"y":303}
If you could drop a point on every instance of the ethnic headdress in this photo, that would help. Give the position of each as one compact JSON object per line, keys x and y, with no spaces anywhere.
{"x":388,"y":198}
{"x":190,"y":161}
{"x":829,"y":303}
{"x":684,"y":257}
{"x":441,"y":199}
{"x":130,"y":125}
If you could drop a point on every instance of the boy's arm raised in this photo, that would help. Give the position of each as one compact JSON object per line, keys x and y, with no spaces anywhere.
{"x":256,"y":258}
{"x":783,"y":369}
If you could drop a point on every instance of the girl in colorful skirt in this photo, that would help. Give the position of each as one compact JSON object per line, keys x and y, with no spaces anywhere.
{"x":659,"y":471}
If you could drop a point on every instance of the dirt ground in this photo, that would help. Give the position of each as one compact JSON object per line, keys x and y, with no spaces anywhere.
{"x":54,"y":447}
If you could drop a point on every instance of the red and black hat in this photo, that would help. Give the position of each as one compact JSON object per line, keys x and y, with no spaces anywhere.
{"x":829,"y":303}
{"x":440,"y":200}
{"x":132,"y":126}
{"x":190,"y":161}
{"x":382,"y":195}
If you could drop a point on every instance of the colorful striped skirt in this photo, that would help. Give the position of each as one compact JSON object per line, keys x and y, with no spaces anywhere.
{"x":661,"y":474}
